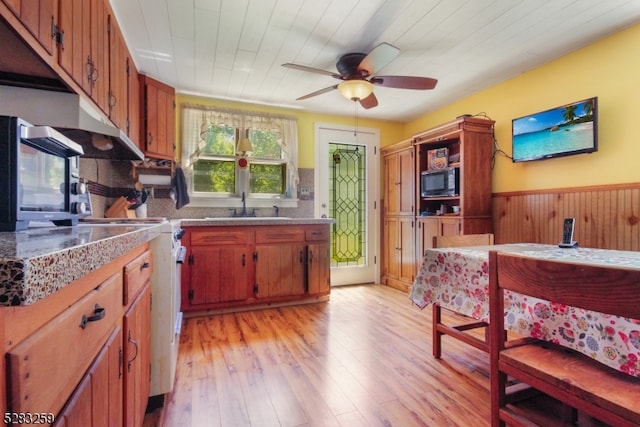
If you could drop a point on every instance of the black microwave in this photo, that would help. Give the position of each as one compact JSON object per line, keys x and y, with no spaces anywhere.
{"x":440,"y":183}
{"x":40,"y":176}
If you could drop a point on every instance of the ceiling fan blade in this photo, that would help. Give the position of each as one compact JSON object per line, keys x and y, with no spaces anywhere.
{"x":378,"y":58}
{"x":369,"y":102}
{"x":318,"y":92}
{"x":405,"y":82}
{"x":312,"y":70}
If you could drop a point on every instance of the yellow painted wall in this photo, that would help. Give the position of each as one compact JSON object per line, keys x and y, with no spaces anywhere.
{"x":608,"y":69}
{"x":390,"y":132}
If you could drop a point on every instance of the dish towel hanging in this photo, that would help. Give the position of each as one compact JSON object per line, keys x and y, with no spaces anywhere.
{"x":179,"y":192}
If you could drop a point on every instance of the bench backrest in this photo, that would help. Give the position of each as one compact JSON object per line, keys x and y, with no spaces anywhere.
{"x":461,"y":240}
{"x":612,"y":289}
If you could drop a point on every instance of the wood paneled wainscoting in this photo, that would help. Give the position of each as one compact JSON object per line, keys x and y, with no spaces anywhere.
{"x":607,"y":216}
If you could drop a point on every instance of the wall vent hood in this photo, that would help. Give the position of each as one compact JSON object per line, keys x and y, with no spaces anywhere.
{"x":72,"y":116}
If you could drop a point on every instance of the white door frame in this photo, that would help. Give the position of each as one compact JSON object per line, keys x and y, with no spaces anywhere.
{"x":321,"y":197}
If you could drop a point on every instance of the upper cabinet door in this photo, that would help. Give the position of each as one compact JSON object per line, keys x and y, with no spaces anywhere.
{"x":40,"y":17}
{"x":100,"y":59}
{"x":158,"y":112}
{"x":74,"y":50}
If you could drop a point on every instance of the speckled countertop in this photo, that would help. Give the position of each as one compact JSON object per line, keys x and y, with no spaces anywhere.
{"x":37,"y":262}
{"x":250,"y":221}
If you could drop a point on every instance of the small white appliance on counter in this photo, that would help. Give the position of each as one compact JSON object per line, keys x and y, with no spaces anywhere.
{"x":166,"y":318}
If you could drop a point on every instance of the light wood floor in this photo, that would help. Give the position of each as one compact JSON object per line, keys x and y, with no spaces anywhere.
{"x":363,"y":358}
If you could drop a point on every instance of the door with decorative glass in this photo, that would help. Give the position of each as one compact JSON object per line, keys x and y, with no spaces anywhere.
{"x":346,"y":188}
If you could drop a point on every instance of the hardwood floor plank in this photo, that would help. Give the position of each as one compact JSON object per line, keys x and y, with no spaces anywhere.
{"x":361,"y":359}
{"x":259,"y":407}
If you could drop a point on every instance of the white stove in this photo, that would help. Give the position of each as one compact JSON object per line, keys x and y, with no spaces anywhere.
{"x":166,"y":318}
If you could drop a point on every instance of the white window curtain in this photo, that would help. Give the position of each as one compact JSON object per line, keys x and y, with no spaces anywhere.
{"x":196,"y":119}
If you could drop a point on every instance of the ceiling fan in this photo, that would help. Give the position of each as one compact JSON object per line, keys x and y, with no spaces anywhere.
{"x":358,"y":74}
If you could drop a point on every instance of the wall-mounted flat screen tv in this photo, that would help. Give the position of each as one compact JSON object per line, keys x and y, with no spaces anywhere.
{"x":562,"y":131}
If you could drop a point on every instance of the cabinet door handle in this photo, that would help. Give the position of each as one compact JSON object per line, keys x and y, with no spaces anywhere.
{"x":98,"y":314}
{"x":145,"y":265}
{"x":244,"y":260}
{"x":150,"y":139}
{"x":135,"y":356}
{"x":301,"y":257}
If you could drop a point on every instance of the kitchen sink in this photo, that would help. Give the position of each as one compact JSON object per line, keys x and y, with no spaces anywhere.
{"x":247,"y":218}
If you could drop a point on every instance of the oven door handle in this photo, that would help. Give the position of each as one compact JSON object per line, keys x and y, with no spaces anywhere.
{"x":182,"y":253}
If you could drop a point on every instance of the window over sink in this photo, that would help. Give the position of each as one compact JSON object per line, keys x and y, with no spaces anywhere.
{"x":220,"y":169}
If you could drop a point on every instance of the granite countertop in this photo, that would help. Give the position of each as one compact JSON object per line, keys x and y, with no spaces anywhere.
{"x":39,"y":261}
{"x":231,"y":221}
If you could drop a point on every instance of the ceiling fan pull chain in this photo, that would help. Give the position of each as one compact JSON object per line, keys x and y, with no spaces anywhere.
{"x":355,"y":131}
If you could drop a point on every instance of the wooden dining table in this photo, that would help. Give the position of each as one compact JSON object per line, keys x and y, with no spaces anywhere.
{"x":458,"y":279}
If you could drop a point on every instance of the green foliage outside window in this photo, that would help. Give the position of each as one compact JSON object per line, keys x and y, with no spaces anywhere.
{"x":265,"y":144}
{"x":267,"y":179}
{"x":214,"y":176}
{"x":220,"y":140}
{"x":215,"y":170}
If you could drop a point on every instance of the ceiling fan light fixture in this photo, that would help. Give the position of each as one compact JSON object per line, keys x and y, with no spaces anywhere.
{"x":355,"y":89}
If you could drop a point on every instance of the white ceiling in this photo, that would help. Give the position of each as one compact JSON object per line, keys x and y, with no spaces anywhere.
{"x":233,"y":49}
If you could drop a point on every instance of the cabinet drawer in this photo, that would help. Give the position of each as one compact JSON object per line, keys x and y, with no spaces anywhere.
{"x":280,"y":234}
{"x":231,"y":237}
{"x":45,"y":368}
{"x":317,"y":234}
{"x":136,"y":274}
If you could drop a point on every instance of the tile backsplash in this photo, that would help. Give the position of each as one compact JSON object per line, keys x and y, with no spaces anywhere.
{"x":109,"y":180}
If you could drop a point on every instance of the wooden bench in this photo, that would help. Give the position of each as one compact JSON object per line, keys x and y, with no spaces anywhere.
{"x":458,"y":331}
{"x":564,"y":374}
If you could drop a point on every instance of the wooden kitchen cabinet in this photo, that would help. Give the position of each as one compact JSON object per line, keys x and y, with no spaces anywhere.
{"x":318,"y":259}
{"x":469,"y":144}
{"x":239,"y":266}
{"x":118,"y":85}
{"x":40,"y":17}
{"x":137,"y":344}
{"x":100,"y":59}
{"x":74,"y":49}
{"x":219,"y":274}
{"x":33,"y":386}
{"x":428,"y":227}
{"x":399,"y":179}
{"x":68,"y":353}
{"x":399,"y":252}
{"x":280,"y":255}
{"x":83,"y":51}
{"x":158,"y":118}
{"x":97,"y":401}
{"x":398,"y":231}
{"x":318,"y":279}
{"x":137,"y":337}
{"x":221,"y":266}
{"x":133,"y":101}
{"x":14,"y":5}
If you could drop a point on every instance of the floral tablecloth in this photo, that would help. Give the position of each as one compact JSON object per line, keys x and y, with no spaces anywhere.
{"x":457,"y":279}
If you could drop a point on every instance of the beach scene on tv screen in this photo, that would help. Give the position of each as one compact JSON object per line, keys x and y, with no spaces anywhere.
{"x":562,"y":130}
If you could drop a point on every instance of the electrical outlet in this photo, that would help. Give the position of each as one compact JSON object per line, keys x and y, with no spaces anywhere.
{"x":304,"y":193}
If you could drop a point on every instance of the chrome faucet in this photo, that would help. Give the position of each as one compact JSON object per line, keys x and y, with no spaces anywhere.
{"x":276,"y":209}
